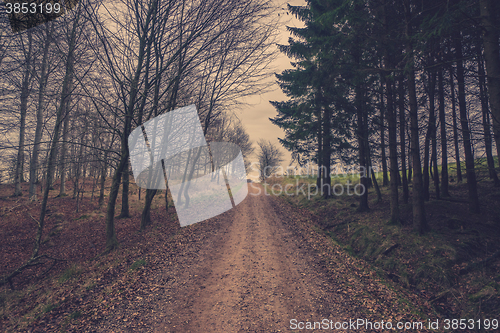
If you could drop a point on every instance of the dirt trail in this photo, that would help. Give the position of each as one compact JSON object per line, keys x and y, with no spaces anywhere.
{"x":258,"y":278}
{"x":255,"y":268}
{"x":252,"y":269}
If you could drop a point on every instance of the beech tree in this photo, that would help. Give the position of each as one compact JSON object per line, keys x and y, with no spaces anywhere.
{"x":46,"y":40}
{"x":27,"y":49}
{"x":73,"y":28}
{"x":154,"y":55}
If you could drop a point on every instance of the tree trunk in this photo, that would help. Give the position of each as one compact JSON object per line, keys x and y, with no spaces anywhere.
{"x":385,"y":179}
{"x":455,"y":127}
{"x":388,"y":81}
{"x":488,"y":144}
{"x":444,"y":141}
{"x":25,"y":87}
{"x":65,"y":94}
{"x":125,"y":212}
{"x":425,"y":172}
{"x":111,"y":240}
{"x":166,"y":200}
{"x":94,"y":183}
{"x":320,"y":147}
{"x":146,"y":212}
{"x":419,"y":219}
{"x":464,"y":122}
{"x":402,"y":139}
{"x":435,"y":173}
{"x":104,"y":172}
{"x":374,"y":177}
{"x":39,"y":115}
{"x":432,"y":125}
{"x":410,"y":162}
{"x":64,"y":149}
{"x":428,"y":135}
{"x":326,"y":180}
{"x":78,"y":166}
{"x":393,"y":146}
{"x":489,"y":10}
{"x":362,"y":143}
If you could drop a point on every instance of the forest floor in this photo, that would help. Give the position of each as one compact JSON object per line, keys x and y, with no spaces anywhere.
{"x":455,"y":266}
{"x":263,"y":266}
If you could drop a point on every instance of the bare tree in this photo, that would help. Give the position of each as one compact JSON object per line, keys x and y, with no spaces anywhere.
{"x":230,"y":129}
{"x":161,"y":53}
{"x":73,"y":29}
{"x":46,"y":38}
{"x":269,"y":157}
{"x":25,"y":91}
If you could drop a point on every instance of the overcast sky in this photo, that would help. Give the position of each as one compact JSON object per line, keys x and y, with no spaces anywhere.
{"x":255,"y":117}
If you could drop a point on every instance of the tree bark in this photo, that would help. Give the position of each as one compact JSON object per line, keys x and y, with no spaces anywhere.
{"x":146,"y":212}
{"x":104,"y":172}
{"x":39,"y":114}
{"x":488,"y":144}
{"x":25,"y":87}
{"x":319,"y":161}
{"x":362,"y":144}
{"x":125,"y":211}
{"x":374,"y":177}
{"x":393,"y":145}
{"x":64,"y":148}
{"x":455,"y":127}
{"x":326,"y":179}
{"x":432,"y":124}
{"x":444,"y":141}
{"x":393,"y":155}
{"x":435,"y":173}
{"x":419,"y":218}
{"x":385,"y":179}
{"x":402,"y":139}
{"x":79,"y":165}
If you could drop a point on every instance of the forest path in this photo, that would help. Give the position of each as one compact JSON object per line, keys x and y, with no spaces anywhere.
{"x":262,"y":269}
{"x":258,"y":280}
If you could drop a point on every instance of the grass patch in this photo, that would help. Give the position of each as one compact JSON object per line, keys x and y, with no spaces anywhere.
{"x":91,"y":286}
{"x":75,"y":315}
{"x":70,"y":273}
{"x":48,"y":308}
{"x":45,"y":309}
{"x":138,"y":264}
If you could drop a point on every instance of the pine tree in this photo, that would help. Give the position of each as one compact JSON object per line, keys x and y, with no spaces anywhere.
{"x":316,"y":109}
